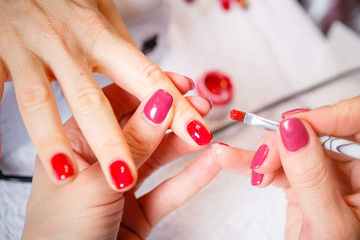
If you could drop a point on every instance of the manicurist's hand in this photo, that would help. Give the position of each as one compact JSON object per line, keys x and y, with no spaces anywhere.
{"x":87,"y":208}
{"x":322,"y":187}
{"x":67,"y":41}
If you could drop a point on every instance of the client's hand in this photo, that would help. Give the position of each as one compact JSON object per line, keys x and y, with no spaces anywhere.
{"x":322,"y":187}
{"x":88,"y":208}
{"x":67,"y":41}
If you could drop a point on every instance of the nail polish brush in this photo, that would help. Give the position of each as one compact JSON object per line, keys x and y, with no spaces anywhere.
{"x":338,"y":145}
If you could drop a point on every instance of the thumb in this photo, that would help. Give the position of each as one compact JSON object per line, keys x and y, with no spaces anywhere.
{"x":305,"y":166}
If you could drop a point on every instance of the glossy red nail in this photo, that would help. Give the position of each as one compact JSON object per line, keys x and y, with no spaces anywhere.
{"x":121,"y":174}
{"x":293,"y":134}
{"x":62,"y":166}
{"x":158,"y":106}
{"x":199,"y":133}
{"x":259,"y":157}
{"x":256,"y":178}
{"x":293,"y":111}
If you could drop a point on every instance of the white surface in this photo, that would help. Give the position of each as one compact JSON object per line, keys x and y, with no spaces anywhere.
{"x":270,"y":51}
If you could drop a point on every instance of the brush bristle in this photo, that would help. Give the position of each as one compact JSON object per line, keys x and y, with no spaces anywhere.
{"x":237,"y":115}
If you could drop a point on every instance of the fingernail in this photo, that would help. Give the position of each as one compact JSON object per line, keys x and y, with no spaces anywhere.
{"x":192,"y":83}
{"x":259,"y":157}
{"x":291,"y":112}
{"x":209,"y":100}
{"x":256,"y":178}
{"x":220,"y":143}
{"x":293,"y":134}
{"x":62,"y":166}
{"x":121,"y":174}
{"x":158,"y":106}
{"x":199,"y":133}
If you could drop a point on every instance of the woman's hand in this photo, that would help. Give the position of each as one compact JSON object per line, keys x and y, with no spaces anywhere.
{"x":67,"y":41}
{"x":322,"y":187}
{"x":87,"y":208}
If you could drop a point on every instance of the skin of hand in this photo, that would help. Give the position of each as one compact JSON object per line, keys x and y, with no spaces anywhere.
{"x":42,"y":41}
{"x":322,"y":187}
{"x":87,"y":208}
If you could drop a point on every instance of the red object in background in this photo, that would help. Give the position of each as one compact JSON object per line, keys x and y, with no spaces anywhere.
{"x":189,"y":1}
{"x":217,"y":86}
{"x":225,"y":4}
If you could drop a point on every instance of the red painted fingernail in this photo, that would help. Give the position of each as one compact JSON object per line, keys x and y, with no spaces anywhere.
{"x":121,"y":174}
{"x":293,"y":134}
{"x":192,"y":83}
{"x":62,"y":166}
{"x":199,"y":133}
{"x":259,"y":157}
{"x":220,"y":143}
{"x":293,"y":111}
{"x":256,"y":178}
{"x":158,"y":106}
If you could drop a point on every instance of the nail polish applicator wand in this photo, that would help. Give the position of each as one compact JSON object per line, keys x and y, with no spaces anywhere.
{"x":338,"y":145}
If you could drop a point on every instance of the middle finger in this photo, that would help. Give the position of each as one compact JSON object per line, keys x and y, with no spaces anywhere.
{"x":95,"y":117}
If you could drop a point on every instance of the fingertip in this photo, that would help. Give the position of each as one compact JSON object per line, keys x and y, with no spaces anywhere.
{"x":201,"y":104}
{"x":63,"y":168}
{"x":199,"y":133}
{"x":293,"y":134}
{"x":256,"y":178}
{"x":266,"y":158}
{"x":122,"y":176}
{"x":182,"y":83}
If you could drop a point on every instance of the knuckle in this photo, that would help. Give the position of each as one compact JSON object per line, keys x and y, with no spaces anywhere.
{"x":89,"y":100}
{"x":109,"y":145}
{"x":139,"y":147}
{"x":96,"y":25}
{"x":312,"y":178}
{"x":152,"y":75}
{"x":34,"y":97}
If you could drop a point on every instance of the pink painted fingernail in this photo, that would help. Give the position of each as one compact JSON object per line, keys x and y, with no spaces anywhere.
{"x":121,"y":174}
{"x":198,"y":132}
{"x":256,"y":178}
{"x":293,"y":111}
{"x":259,"y":157}
{"x":158,"y":106}
{"x":293,"y":134}
{"x":62,"y":167}
{"x":192,"y":83}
